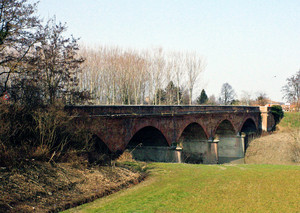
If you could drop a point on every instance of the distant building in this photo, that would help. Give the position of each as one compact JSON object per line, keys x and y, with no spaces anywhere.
{"x":288,"y":107}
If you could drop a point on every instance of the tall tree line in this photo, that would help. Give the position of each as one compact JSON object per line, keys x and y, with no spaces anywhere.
{"x":115,"y":75}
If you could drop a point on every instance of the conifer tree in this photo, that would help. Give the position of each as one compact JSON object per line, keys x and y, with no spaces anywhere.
{"x":202,"y":99}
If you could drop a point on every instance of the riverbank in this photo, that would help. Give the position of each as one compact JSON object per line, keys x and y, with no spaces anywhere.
{"x":52,"y":187}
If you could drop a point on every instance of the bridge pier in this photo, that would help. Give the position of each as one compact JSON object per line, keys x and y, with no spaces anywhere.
{"x":231,"y":149}
{"x":156,"y":154}
{"x":211,"y":156}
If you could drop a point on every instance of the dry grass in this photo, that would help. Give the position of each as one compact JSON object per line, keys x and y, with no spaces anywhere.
{"x":271,"y":149}
{"x":282,"y":147}
{"x":126,"y":157}
{"x":42,"y":187}
{"x":295,"y":143}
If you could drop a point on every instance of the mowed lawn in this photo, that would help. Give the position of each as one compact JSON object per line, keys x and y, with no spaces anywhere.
{"x":207,"y":188}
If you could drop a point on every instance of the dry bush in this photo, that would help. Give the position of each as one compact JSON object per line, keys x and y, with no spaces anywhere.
{"x":51,"y":131}
{"x":40,"y":152}
{"x":125,"y":157}
{"x":43,"y":134}
{"x":15,"y":134}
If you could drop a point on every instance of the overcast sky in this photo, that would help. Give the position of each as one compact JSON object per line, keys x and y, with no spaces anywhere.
{"x":253,"y":45}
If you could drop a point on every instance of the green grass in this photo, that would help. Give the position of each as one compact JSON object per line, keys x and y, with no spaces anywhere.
{"x":290,"y":120}
{"x":208,"y":188}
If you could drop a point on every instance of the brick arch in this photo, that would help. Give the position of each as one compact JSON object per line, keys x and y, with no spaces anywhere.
{"x":98,"y":139}
{"x":107,"y":142}
{"x":185,"y":125}
{"x":140,"y":125}
{"x":244,"y":121}
{"x":220,"y":121}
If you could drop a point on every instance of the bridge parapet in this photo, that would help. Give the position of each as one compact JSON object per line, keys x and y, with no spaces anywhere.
{"x":144,"y":110}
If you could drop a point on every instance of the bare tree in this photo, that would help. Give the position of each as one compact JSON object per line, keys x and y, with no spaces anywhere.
{"x":177,"y":67}
{"x":17,"y":36}
{"x":291,"y":90}
{"x":246,"y":98}
{"x":212,"y":100}
{"x":194,"y":66}
{"x":91,"y":77}
{"x":262,"y":98}
{"x":158,"y":67}
{"x":227,"y":94}
{"x":56,"y":63}
{"x":129,"y":76}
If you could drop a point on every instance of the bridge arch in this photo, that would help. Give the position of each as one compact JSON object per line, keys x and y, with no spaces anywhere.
{"x":230,"y":146}
{"x":193,"y":141}
{"x":139,"y":125}
{"x":100,"y":152}
{"x":149,"y":144}
{"x":248,"y":125}
{"x":187,"y":124}
{"x":225,"y":125}
{"x":249,"y":131}
{"x":148,"y":136}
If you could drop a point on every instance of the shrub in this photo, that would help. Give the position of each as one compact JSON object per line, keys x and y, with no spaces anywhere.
{"x":277,"y":112}
{"x":16,"y":135}
{"x":43,"y":134}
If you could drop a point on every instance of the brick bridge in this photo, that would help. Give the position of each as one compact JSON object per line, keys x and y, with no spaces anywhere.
{"x":195,"y":134}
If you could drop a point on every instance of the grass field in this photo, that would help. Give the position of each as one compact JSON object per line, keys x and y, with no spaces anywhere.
{"x":208,"y":188}
{"x":290,"y":120}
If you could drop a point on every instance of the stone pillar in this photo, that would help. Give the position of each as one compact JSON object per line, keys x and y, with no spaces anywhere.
{"x":240,"y":139}
{"x":267,"y":119}
{"x":178,"y":156}
{"x":211,"y":156}
{"x":231,"y":149}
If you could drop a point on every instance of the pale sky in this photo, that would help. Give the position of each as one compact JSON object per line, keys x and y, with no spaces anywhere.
{"x":253,"y":45}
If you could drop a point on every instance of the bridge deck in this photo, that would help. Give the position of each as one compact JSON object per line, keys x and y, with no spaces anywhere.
{"x":150,"y":110}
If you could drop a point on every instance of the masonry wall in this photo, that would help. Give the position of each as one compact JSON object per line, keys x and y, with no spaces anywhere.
{"x":230,"y":149}
{"x":268,"y":121}
{"x":116,"y":125}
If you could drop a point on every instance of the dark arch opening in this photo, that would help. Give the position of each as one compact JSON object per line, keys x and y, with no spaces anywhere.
{"x":99,"y":152}
{"x":249,"y":126}
{"x":224,"y":129}
{"x":148,"y":136}
{"x":193,"y":142}
{"x":230,"y":147}
{"x":149,"y":144}
{"x":249,"y":131}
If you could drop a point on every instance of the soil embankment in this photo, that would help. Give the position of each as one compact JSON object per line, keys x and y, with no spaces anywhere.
{"x":278,"y":148}
{"x":44,"y":187}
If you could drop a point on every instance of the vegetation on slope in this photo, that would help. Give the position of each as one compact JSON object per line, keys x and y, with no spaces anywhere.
{"x":291,"y":120}
{"x":282,"y":147}
{"x":52,"y":187}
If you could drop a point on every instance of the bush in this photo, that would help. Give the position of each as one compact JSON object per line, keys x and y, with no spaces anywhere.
{"x":43,"y":134}
{"x":16,"y":135}
{"x":277,"y":112}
